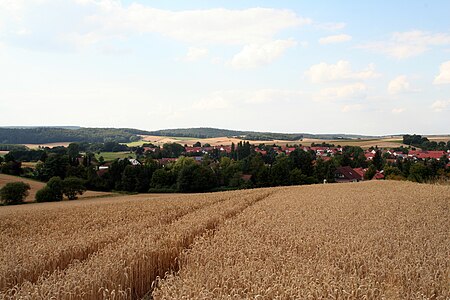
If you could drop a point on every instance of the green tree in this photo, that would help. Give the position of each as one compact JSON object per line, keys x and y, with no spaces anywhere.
{"x":46,"y":195}
{"x":280,"y":171}
{"x":73,"y":186}
{"x":371,"y":171}
{"x":73,"y":150}
{"x":378,"y":160}
{"x":418,"y":172}
{"x":14,"y":192}
{"x":162,"y":179}
{"x":195,"y":178}
{"x":53,"y":191}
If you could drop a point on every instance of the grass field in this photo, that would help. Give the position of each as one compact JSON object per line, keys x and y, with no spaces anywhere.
{"x":110,"y":156}
{"x":37,"y":185}
{"x":369,"y":240}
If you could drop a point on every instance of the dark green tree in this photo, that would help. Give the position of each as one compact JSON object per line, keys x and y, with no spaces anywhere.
{"x":195,"y":178}
{"x":370,"y":172}
{"x":14,"y":192}
{"x":73,"y":186}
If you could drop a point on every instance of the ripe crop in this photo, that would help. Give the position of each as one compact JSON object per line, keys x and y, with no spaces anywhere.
{"x":368,"y":240}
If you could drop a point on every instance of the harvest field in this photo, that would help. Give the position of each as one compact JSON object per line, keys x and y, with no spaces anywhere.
{"x":37,"y":185}
{"x":368,"y":240}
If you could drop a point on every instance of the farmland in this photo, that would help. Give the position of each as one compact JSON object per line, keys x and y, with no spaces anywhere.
{"x":343,"y":241}
{"x":37,"y":185}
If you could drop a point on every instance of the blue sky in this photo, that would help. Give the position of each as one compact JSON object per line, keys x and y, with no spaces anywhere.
{"x":290,"y":66}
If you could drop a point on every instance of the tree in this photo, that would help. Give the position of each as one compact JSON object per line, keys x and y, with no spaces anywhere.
{"x":378,"y":160}
{"x":195,"y":178}
{"x":418,"y":172}
{"x":53,"y":191}
{"x":54,"y":165}
{"x":73,"y":150}
{"x":162,"y":179}
{"x":73,"y":186}
{"x":197,"y":144}
{"x":14,"y":192}
{"x":371,"y":171}
{"x":46,"y":195}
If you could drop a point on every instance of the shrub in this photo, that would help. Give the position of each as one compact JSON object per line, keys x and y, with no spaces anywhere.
{"x":47,"y":195}
{"x":52,"y":192}
{"x":14,"y":192}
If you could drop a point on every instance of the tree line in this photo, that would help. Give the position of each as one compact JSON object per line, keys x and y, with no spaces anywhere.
{"x":242,"y":167}
{"x":44,"y":135}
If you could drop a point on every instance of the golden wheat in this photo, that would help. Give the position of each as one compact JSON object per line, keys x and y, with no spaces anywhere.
{"x":371,"y":240}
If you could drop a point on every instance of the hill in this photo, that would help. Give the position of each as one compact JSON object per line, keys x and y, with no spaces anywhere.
{"x":66,"y":134}
{"x":368,"y":240}
{"x":207,"y":132}
{"x":45,"y":135}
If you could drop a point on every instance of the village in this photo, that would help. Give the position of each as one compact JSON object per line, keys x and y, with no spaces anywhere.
{"x":319,"y":152}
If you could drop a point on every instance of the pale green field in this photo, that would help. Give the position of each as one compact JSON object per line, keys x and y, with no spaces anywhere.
{"x":110,"y":156}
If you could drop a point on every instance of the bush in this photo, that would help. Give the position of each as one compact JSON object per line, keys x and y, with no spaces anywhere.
{"x":72,"y":186}
{"x":52,"y":192}
{"x":47,"y":195}
{"x":14,"y":192}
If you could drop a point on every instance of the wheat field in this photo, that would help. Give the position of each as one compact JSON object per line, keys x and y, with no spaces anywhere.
{"x":369,"y":240}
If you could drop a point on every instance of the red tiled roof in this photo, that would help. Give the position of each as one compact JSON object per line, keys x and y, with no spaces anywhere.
{"x":348,"y":173}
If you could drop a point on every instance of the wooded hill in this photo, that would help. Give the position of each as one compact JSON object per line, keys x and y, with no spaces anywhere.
{"x":44,"y":135}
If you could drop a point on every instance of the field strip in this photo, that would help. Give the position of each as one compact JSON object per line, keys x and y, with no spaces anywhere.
{"x":127,"y":269}
{"x":34,"y":259}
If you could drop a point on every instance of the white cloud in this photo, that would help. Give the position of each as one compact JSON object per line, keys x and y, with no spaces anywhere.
{"x":222,"y":99}
{"x":399,"y":85}
{"x":255,"y":55}
{"x":440,"y":105}
{"x":215,"y":101}
{"x":402,"y":45}
{"x":332,"y":39}
{"x":194,"y":54}
{"x":351,"y":107}
{"x":209,"y":26}
{"x":398,"y":110}
{"x":444,"y":74}
{"x":342,"y":70}
{"x":356,"y":90}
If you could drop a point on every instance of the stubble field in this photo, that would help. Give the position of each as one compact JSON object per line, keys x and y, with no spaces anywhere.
{"x":369,"y":240}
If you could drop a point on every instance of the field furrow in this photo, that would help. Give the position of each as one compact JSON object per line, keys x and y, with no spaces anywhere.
{"x":126,"y":269}
{"x":27,"y":257}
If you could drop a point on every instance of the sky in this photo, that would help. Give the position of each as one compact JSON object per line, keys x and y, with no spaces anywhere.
{"x":362,"y":67}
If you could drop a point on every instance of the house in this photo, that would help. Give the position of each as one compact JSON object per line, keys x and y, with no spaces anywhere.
{"x":347,"y":174}
{"x":134,"y":162}
{"x":369,"y":155}
{"x":165,"y":161}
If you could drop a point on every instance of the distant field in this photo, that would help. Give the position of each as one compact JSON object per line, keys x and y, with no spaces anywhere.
{"x":50,"y":145}
{"x":110,"y":156}
{"x":3,"y":153}
{"x":225,"y":141}
{"x":368,"y":240}
{"x":363,"y":143}
{"x":37,"y":185}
